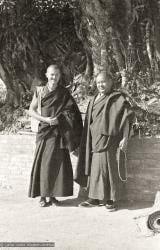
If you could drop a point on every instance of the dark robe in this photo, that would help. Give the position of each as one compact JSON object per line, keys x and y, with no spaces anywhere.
{"x":104,"y":127}
{"x":52,"y":170}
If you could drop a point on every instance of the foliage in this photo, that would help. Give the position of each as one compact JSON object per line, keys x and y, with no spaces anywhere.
{"x":31,"y":38}
{"x":45,"y":5}
{"x":122,"y":37}
{"x":145,"y":97}
{"x":42,"y":5}
{"x":83,"y":36}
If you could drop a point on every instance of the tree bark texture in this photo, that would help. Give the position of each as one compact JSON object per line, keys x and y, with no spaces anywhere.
{"x":105,"y":27}
{"x":128,"y":28}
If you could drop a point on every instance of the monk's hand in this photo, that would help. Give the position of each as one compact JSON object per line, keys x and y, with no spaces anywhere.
{"x":47,"y":119}
{"x":53,"y":121}
{"x":123,"y":144}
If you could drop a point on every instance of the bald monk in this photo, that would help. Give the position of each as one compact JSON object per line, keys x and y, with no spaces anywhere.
{"x":59,"y":132}
{"x":106,"y":132}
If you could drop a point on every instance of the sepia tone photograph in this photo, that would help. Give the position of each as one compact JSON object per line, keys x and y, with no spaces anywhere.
{"x":80,"y":124}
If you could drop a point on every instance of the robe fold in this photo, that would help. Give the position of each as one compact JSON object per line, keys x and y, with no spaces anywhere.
{"x":97,"y":167}
{"x":52,"y":170}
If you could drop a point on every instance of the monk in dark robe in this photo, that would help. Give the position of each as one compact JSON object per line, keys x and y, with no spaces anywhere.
{"x":59,"y":132}
{"x":106,"y":131}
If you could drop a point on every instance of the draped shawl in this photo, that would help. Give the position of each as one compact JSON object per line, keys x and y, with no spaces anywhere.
{"x":59,"y":103}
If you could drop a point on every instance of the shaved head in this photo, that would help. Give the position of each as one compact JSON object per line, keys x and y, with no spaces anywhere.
{"x":104,"y":82}
{"x":53,"y":75}
{"x":53,"y":67}
{"x":104,"y":75}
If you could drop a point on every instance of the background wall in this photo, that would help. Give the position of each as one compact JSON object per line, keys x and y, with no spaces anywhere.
{"x":143,"y":164}
{"x":143,"y":169}
{"x":16,"y":156}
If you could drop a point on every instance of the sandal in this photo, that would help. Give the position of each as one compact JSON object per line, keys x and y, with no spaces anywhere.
{"x":110,"y":206}
{"x":43,"y":202}
{"x":53,"y":201}
{"x":89,"y":203}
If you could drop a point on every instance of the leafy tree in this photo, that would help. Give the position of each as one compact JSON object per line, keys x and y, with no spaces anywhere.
{"x":33,"y":35}
{"x":122,"y":37}
{"x":86,"y":36}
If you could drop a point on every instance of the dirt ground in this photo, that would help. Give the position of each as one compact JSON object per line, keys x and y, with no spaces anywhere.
{"x":72,"y":227}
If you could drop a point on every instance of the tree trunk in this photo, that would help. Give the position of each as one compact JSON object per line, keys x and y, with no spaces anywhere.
{"x":104,"y":24}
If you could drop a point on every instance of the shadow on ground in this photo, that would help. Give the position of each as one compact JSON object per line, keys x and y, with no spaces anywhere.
{"x":71,"y":202}
{"x":134,"y":205}
{"x":130,"y":205}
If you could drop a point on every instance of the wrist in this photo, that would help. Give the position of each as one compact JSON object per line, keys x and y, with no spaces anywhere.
{"x":46,"y":120}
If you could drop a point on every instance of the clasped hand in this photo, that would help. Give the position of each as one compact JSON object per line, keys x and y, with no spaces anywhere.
{"x":52,"y":121}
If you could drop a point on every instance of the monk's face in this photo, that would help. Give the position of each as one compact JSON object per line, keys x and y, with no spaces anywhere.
{"x":53,"y":75}
{"x":104,"y":85}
